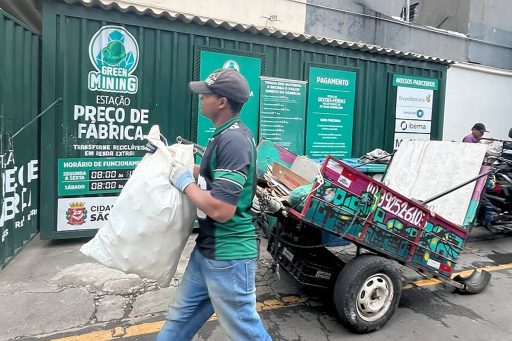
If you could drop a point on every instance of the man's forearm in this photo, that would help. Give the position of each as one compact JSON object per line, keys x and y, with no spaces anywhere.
{"x":196,"y":172}
{"x":214,"y":208}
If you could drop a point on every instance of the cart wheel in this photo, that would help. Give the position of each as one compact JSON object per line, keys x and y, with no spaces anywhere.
{"x":367,"y":293}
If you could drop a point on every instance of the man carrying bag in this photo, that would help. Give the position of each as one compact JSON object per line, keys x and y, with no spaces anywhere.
{"x":220,"y":276}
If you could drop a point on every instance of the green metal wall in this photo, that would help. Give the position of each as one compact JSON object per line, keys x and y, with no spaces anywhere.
{"x":169,"y":51}
{"x":19,"y":155}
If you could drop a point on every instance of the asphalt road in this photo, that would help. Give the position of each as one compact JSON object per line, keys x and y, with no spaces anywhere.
{"x":426,"y":311}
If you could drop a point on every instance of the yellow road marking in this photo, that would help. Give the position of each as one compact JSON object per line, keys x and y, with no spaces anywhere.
{"x":144,"y":328}
{"x":433,"y":281}
{"x":286,"y":301}
{"x":118,"y":332}
{"x":154,"y":327}
{"x":101,"y":335}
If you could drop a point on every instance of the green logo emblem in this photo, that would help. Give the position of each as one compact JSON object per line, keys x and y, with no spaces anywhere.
{"x":114,"y":53}
{"x":231,"y":64}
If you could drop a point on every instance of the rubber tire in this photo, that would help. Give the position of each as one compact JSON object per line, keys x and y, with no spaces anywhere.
{"x":349,"y":282}
{"x":473,"y":289}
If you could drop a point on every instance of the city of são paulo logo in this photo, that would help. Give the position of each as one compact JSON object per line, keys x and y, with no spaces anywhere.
{"x":76,"y":213}
{"x":114,"y":52}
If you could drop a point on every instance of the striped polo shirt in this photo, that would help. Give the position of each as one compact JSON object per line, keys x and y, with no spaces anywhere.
{"x":228,"y":171}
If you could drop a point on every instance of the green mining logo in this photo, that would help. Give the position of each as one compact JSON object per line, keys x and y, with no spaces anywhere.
{"x":114,"y":53}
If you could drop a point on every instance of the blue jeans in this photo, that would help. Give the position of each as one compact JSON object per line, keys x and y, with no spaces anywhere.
{"x":224,"y":287}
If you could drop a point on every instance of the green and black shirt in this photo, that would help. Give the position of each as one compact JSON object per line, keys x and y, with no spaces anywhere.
{"x":228,"y":171}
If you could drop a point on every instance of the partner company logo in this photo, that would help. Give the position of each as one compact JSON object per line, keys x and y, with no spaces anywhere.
{"x":114,"y":53}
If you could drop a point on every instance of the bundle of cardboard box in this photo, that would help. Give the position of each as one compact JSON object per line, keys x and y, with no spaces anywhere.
{"x":276,"y":184}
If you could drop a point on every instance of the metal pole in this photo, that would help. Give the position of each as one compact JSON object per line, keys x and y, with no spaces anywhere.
{"x":407,"y":10}
{"x":35,"y":118}
{"x":180,"y":139}
{"x":435,"y":197}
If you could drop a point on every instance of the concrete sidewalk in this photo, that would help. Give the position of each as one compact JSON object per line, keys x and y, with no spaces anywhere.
{"x":50,"y":289}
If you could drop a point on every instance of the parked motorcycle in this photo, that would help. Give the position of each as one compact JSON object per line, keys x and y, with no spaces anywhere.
{"x":495,"y":211}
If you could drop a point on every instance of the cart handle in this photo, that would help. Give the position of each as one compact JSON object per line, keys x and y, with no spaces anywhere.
{"x":181,"y":140}
{"x":448,"y":191}
{"x":197,"y":148}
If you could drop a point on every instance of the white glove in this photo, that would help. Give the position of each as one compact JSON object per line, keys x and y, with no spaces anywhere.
{"x":180,"y":176}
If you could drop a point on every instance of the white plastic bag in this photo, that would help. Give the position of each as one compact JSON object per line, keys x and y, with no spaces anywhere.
{"x":151,"y":220}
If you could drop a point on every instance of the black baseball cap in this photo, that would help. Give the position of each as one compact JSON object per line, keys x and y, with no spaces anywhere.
{"x":227,"y":83}
{"x":480,"y":127}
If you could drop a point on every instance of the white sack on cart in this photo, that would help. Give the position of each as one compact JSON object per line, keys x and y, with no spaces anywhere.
{"x":151,"y":220}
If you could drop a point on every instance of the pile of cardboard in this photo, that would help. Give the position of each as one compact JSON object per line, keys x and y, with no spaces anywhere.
{"x":280,"y":180}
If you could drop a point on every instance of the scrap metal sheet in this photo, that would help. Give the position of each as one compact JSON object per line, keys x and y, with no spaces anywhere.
{"x":422,"y":169}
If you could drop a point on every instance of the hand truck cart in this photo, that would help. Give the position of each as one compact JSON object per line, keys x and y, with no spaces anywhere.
{"x":388,"y":226}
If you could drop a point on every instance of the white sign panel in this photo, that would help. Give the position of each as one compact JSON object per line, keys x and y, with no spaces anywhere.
{"x":414,"y":113}
{"x":414,"y":104}
{"x":83,"y":213}
{"x":399,"y":137}
{"x":414,"y":98}
{"x":412,"y":126}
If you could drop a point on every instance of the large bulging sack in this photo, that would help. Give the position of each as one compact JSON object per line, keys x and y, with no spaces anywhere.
{"x":151,"y":220}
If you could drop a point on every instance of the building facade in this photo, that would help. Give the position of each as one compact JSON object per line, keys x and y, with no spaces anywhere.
{"x":473,"y":31}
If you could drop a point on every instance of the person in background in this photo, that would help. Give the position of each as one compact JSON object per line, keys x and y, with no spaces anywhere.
{"x":220,"y":275}
{"x":477,"y":132}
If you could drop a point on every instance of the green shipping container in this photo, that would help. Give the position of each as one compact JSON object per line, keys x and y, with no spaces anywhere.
{"x":19,"y":143}
{"x":119,"y":73}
